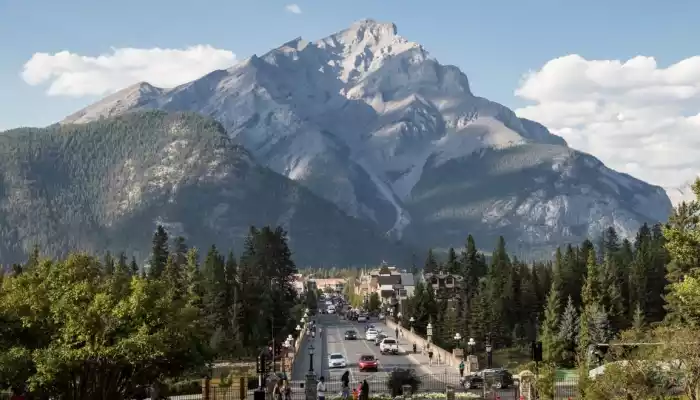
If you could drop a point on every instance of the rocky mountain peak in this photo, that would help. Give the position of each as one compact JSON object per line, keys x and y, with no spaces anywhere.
{"x":369,"y":121}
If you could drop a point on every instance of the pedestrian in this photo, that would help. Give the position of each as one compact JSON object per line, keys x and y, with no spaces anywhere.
{"x":415,"y":349}
{"x":287,"y":390}
{"x":396,"y":331}
{"x":321,"y":389}
{"x":277,"y":390}
{"x":345,"y":379}
{"x":364,"y":394}
{"x":355,"y":394}
{"x":430,"y":356}
{"x":461,"y":368}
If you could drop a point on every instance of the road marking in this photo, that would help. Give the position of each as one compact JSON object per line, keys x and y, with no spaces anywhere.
{"x":345,"y":350}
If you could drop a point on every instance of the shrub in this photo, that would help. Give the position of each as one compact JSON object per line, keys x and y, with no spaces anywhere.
{"x":400,"y":377}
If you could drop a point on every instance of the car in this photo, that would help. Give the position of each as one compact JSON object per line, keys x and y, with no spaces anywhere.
{"x":367,"y":363}
{"x":381,"y":316}
{"x":371,"y":334}
{"x":361,"y":318}
{"x":379,"y":338}
{"x":337,"y":360}
{"x":350,"y":335}
{"x":389,"y":346}
{"x":498,"y":378}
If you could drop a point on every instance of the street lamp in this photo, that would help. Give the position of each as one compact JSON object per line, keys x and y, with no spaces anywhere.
{"x":287,"y":344}
{"x":311,"y":358}
{"x":399,"y":315}
{"x":471,"y":343}
{"x":429,"y":330}
{"x":298,"y":329}
{"x":410,"y":323}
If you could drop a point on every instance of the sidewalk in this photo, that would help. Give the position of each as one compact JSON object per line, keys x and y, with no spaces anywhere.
{"x":423,"y":362}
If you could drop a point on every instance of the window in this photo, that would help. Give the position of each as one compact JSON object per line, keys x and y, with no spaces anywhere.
{"x":336,"y":356}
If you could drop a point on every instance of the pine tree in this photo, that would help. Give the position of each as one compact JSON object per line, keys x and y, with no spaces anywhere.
{"x":159,"y":253}
{"x":453,"y":266}
{"x":431,"y":266}
{"x":551,"y":345}
{"x":133,"y":267}
{"x":568,"y":328}
{"x":591,"y":288}
{"x":108,"y":263}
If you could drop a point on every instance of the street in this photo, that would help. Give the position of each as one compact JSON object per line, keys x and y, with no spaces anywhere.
{"x":332,"y":340}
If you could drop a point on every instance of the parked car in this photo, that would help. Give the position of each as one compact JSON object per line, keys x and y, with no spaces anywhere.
{"x":361,"y":318}
{"x":337,"y":360}
{"x":368,"y":363}
{"x":498,"y":378}
{"x":371,"y":334}
{"x":389,"y":346}
{"x":350,"y":335}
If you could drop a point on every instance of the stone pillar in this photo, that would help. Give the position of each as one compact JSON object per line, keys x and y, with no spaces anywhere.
{"x":472,"y":364}
{"x":310,"y":386}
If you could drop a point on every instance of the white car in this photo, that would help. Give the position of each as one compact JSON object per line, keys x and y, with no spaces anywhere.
{"x":389,"y":345}
{"x":371,"y":334}
{"x":362,"y":318}
{"x":337,"y":360}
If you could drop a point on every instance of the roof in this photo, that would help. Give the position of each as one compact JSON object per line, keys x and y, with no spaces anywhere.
{"x":389,"y":280}
{"x":407,"y":280}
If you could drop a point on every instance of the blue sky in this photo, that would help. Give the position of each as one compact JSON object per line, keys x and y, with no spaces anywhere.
{"x":494,"y":42}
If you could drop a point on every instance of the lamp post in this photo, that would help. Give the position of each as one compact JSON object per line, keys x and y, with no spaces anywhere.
{"x":411,"y":321}
{"x":286,"y":345}
{"x":311,"y":359}
{"x":399,"y":315}
{"x":429,"y":331}
{"x":489,"y":349}
{"x":458,"y":339}
{"x":471,"y":343}
{"x":298,"y":329}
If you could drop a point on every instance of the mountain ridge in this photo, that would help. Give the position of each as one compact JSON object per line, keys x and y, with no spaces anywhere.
{"x":357,"y":115}
{"x":106,"y":185}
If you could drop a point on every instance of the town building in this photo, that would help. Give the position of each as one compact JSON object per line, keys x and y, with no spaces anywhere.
{"x":387,"y":281}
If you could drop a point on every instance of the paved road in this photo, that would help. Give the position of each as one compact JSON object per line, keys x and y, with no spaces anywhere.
{"x":433,"y":379}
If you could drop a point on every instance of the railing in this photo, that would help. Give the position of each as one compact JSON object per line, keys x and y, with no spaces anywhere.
{"x":298,"y":345}
{"x":440,"y":355}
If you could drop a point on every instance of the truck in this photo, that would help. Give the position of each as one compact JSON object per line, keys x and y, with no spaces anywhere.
{"x":389,"y":346}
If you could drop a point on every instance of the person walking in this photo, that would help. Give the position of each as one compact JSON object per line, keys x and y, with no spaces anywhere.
{"x":364,"y":394}
{"x":461,"y":368}
{"x":321,"y":389}
{"x":286,"y":391}
{"x":430,"y":356}
{"x":396,"y":331}
{"x":277,"y":390}
{"x":345,"y":379}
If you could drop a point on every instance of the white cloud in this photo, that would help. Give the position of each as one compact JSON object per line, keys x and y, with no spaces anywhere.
{"x":635,"y":116}
{"x":70,"y":74}
{"x":293,"y":8}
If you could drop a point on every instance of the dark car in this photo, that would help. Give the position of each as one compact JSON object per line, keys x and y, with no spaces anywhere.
{"x":380,"y":337}
{"x":368,"y":363}
{"x":350,"y":335}
{"x":497,"y":378}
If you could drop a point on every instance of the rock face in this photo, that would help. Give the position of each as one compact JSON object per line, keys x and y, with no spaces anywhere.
{"x":106,"y":185}
{"x":369,"y":121}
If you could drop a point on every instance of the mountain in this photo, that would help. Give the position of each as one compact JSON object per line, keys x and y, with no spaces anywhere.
{"x":108,"y":184}
{"x":368,"y":120}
